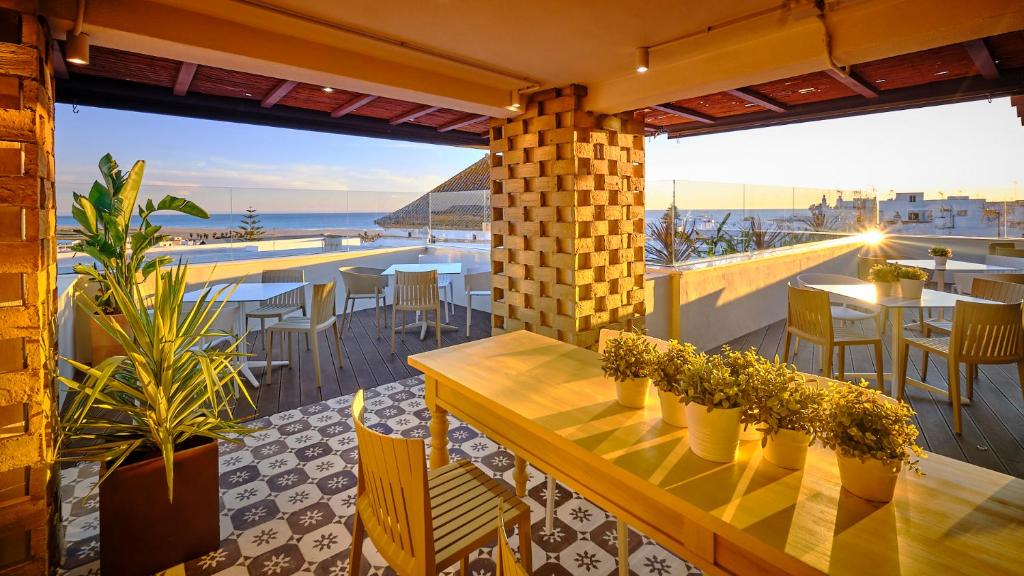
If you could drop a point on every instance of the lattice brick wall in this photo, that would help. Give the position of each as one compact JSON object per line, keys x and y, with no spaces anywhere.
{"x":27,"y":296}
{"x":567,"y":203}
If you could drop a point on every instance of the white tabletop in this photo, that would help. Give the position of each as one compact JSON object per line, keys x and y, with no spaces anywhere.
{"x":441,"y":267}
{"x":249,"y":291}
{"x":866,"y":293}
{"x":951,"y":265}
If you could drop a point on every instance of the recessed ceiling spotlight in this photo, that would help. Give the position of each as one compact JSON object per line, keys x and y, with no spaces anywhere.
{"x":327,"y":89}
{"x":942,"y":72}
{"x":880,"y":80}
{"x":806,"y":90}
{"x":246,"y":94}
{"x":643,"y":60}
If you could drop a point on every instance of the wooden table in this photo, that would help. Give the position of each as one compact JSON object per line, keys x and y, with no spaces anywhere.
{"x":442,"y":269}
{"x":548,"y":402}
{"x":939,"y":272}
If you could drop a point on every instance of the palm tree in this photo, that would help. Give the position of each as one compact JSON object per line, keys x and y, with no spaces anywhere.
{"x":721,"y":241}
{"x":665,"y":245}
{"x":761,"y":236}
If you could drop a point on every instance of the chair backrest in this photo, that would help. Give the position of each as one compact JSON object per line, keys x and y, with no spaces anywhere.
{"x":865,"y":264}
{"x":804,"y":280}
{"x":987,"y":333}
{"x":392,"y":498}
{"x":605,"y":335}
{"x":293,"y":298}
{"x":361,"y":280}
{"x":997,"y":291}
{"x":995,"y":247}
{"x":324,"y":305}
{"x":416,"y":290}
{"x":477,"y":281}
{"x":809,"y":314}
{"x":507,"y":564}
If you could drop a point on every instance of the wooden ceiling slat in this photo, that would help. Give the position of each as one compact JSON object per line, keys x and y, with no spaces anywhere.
{"x":277,"y":93}
{"x":684,"y":113}
{"x":982,"y":58}
{"x":220,"y":82}
{"x":1007,"y":49}
{"x":850,"y":80}
{"x":355,"y":104}
{"x":185,"y":75}
{"x":759,"y":99}
{"x":462,"y":122}
{"x":412,"y":114}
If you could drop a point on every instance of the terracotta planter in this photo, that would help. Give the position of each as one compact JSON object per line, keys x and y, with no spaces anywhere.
{"x":940,"y":261}
{"x":884,"y":289}
{"x":632,"y":392}
{"x":141,"y":532}
{"x":911,"y":289}
{"x":104,"y":346}
{"x":714,"y":435}
{"x":673,"y":411}
{"x":787,"y":449}
{"x":871,"y":479}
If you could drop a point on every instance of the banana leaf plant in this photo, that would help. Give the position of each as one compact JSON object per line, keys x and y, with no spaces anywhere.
{"x":105,"y":233}
{"x":168,"y":388}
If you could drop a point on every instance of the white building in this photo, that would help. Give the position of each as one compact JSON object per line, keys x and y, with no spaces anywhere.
{"x":911,"y":213}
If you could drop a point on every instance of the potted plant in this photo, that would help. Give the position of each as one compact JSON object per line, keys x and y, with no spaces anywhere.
{"x":873,"y":438}
{"x":628,"y":359}
{"x":714,"y":403}
{"x":884,"y":276}
{"x":911,"y":281}
{"x":789,"y":410}
{"x":745,"y":367}
{"x":152,"y":418}
{"x":940,"y":254}
{"x":105,"y":233}
{"x":667,"y":374}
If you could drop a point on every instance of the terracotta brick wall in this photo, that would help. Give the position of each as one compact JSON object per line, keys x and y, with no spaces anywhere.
{"x":27,"y":294}
{"x":567,"y":202}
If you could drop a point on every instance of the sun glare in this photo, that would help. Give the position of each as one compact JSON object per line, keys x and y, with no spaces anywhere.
{"x":873,"y":237}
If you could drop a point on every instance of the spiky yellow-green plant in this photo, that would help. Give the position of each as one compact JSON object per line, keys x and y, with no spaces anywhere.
{"x":670,"y":364}
{"x":863,"y":423}
{"x":167,"y":388}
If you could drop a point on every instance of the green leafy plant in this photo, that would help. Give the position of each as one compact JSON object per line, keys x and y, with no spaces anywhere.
{"x":782,"y":399}
{"x":884,"y":273}
{"x":911,"y":273}
{"x":862,"y":423}
{"x":940,"y":251}
{"x":707,"y":380}
{"x":670,"y":365}
{"x":105,"y":233}
{"x":166,"y":392}
{"x":628,"y":355}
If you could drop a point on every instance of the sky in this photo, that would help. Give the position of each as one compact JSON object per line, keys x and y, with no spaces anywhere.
{"x":974,"y":148}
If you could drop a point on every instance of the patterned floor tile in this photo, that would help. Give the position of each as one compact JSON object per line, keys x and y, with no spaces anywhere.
{"x":288,"y":495}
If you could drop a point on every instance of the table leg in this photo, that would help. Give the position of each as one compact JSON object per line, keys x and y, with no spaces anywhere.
{"x":243,"y":347}
{"x":623,"y":541}
{"x":940,"y":285}
{"x":896,"y":316}
{"x":520,"y":476}
{"x":438,"y":426}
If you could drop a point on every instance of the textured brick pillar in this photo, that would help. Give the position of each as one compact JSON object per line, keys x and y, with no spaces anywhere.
{"x":27,"y":294}
{"x":567,"y":203}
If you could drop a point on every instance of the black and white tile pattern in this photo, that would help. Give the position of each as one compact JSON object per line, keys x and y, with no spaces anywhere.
{"x":288,"y":495}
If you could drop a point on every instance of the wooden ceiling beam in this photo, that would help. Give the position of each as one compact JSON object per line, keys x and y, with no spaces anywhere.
{"x":849,"y":80}
{"x":413,"y":114}
{"x":184,"y":80}
{"x":279,"y":91}
{"x":683,"y":113}
{"x":759,"y":99}
{"x":462,"y":122}
{"x":352,"y":105}
{"x":982,"y":58}
{"x":60,"y":67}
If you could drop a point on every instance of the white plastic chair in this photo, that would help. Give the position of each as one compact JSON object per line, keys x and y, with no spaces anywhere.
{"x":477,"y":284}
{"x":444,"y":282}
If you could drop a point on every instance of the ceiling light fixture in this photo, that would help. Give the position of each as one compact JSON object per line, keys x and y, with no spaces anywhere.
{"x":327,"y":89}
{"x":515,"y":101}
{"x":78,"y":41}
{"x":643,"y":60}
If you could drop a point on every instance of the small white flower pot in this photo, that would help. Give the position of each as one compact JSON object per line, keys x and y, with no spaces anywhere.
{"x":787,"y":449}
{"x":673,"y":411}
{"x":911,"y":289}
{"x":632,"y":392}
{"x":872,"y":479}
{"x":940,"y":261}
{"x":714,"y":435}
{"x":884,"y":289}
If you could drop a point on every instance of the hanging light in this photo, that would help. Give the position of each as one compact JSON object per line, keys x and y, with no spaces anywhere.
{"x":78,"y":41}
{"x":515,"y":101}
{"x":643,"y":60}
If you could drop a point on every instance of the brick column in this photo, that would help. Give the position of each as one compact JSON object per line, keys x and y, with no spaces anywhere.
{"x":567,"y":203}
{"x":27,"y":295}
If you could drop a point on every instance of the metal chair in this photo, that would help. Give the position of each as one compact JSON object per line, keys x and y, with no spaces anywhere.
{"x":423,"y":521}
{"x":809,"y":317}
{"x":444,"y":282}
{"x":477,"y":284}
{"x":982,"y":334}
{"x":416,"y":292}
{"x":362,"y":283}
{"x":280,"y":306}
{"x":324,"y":316}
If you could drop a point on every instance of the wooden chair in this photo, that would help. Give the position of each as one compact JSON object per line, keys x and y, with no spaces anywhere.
{"x":986,"y":289}
{"x":424,"y":521}
{"x":444,"y":282}
{"x":324,"y":316}
{"x":280,"y":306}
{"x":506,"y":564}
{"x":964,"y":281}
{"x":416,"y":292}
{"x":982,"y":334}
{"x":477,"y":284}
{"x":809,"y":317}
{"x":362,"y":283}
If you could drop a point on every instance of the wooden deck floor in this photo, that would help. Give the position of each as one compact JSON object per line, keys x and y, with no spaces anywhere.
{"x":367,"y":362}
{"x":993,"y":434}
